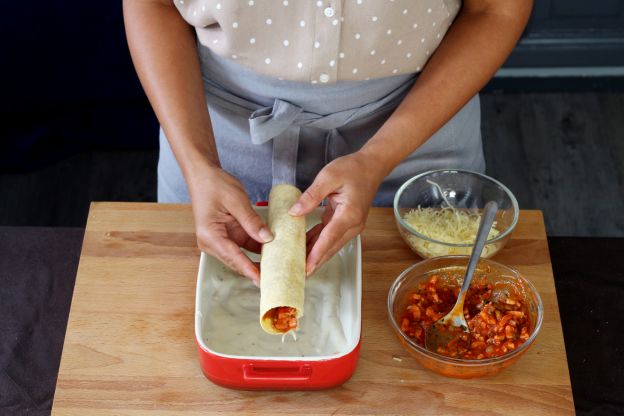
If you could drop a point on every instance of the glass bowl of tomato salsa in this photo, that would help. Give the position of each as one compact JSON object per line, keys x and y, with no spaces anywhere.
{"x":503,"y":310}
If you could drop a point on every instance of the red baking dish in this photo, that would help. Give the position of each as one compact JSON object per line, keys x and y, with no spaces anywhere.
{"x":225,"y":365}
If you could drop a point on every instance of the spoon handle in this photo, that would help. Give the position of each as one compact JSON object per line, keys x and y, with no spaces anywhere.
{"x":489,"y":214}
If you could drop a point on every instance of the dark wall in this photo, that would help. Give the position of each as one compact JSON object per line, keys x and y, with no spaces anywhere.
{"x":67,"y":83}
{"x":572,"y":34}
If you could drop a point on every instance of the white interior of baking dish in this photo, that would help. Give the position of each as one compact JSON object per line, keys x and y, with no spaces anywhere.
{"x":227,"y":310}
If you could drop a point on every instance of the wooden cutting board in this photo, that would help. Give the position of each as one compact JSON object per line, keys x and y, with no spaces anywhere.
{"x":130,"y":348}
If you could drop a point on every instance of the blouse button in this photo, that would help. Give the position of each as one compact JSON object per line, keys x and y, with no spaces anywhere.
{"x":324,"y":78}
{"x":329,"y":12}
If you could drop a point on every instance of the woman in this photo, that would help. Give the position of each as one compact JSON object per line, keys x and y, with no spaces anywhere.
{"x":345,"y":98}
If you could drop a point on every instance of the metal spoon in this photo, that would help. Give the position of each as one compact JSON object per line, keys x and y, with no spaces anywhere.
{"x":453,"y":324}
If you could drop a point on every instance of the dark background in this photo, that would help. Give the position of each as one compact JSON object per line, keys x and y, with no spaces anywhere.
{"x":76,"y":127}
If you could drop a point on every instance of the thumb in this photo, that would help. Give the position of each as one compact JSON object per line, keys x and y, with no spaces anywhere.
{"x":313,"y":196}
{"x":252,"y":223}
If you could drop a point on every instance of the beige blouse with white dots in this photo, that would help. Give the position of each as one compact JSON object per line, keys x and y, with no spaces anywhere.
{"x":322,"y":41}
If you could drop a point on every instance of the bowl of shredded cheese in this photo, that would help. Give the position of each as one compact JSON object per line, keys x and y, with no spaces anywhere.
{"x":438,"y":212}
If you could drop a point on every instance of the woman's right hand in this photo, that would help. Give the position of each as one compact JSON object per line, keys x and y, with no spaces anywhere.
{"x":225,"y":220}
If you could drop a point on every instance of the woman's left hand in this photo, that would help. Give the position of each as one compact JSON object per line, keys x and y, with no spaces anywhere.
{"x":349,"y":183}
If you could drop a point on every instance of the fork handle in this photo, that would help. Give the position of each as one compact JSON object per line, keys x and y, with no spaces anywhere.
{"x":489,"y":214}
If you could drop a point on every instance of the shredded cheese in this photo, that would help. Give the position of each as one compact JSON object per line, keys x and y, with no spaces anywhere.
{"x":292,"y":332}
{"x":448,"y":225}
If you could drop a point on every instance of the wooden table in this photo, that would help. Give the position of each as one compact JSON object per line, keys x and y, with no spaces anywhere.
{"x":130,"y":348}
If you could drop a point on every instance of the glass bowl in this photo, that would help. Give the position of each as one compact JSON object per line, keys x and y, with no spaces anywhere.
{"x":501,"y":276}
{"x":464,"y":190}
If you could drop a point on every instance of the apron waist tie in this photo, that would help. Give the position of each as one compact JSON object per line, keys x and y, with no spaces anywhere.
{"x":282,"y":123}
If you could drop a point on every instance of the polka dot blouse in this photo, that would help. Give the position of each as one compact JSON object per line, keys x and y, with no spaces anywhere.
{"x":322,"y":41}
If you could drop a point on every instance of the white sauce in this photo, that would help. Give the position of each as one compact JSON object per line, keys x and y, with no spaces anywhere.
{"x":231,"y":322}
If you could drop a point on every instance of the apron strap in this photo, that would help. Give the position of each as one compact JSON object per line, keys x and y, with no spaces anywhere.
{"x":282,"y":123}
{"x":284,"y":161}
{"x":277,"y":123}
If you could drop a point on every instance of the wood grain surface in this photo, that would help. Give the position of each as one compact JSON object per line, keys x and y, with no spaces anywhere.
{"x":130,"y":348}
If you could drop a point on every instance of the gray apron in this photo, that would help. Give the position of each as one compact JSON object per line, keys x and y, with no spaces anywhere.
{"x":271,"y":131}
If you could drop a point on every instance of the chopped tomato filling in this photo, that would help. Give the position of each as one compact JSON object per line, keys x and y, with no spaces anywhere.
{"x":284,"y":318}
{"x":496,"y":326}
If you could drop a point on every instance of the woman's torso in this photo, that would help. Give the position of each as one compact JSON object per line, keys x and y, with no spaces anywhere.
{"x":322,"y":41}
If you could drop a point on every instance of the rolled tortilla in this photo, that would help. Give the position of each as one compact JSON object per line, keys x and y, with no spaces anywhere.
{"x":282,"y":266}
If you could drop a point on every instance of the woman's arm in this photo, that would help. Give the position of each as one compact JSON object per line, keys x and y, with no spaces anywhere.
{"x":164,"y":53}
{"x":476,"y":45}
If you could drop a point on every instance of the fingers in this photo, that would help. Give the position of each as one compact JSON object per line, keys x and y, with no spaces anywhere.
{"x":240,"y":237}
{"x":256,"y":282}
{"x":344,"y":224}
{"x":314,"y":195}
{"x":330,"y":240}
{"x":225,"y":221}
{"x":251,"y":222}
{"x":216,"y":243}
{"x":326,"y":239}
{"x":336,"y":247}
{"x":230,"y":254}
{"x":313,"y":234}
{"x":252,"y":245}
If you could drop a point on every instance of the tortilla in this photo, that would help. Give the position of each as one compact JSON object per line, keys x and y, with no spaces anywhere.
{"x":282,"y":266}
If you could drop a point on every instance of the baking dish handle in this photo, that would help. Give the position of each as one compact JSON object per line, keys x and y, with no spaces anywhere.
{"x":277,"y":373}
